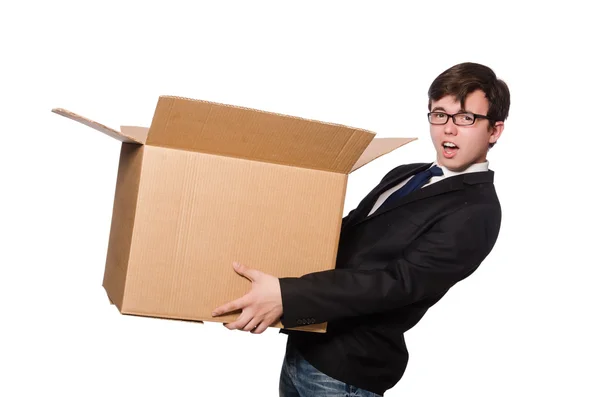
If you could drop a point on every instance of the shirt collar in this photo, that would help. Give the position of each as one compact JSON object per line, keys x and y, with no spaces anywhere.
{"x":477,"y":167}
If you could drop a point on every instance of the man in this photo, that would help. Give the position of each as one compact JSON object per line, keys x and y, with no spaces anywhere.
{"x":424,"y":228}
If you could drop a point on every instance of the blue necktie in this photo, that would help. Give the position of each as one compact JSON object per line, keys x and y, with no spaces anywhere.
{"x":415,"y":183}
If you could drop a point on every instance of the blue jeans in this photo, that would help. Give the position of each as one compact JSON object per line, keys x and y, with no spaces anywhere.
{"x":300,"y":379}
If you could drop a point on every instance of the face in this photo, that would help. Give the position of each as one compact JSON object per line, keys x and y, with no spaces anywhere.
{"x":458,"y":147}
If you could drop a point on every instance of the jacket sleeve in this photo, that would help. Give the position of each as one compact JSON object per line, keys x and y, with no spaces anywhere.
{"x":450,"y":251}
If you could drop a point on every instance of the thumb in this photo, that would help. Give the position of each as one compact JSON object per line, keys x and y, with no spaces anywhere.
{"x":250,"y":274}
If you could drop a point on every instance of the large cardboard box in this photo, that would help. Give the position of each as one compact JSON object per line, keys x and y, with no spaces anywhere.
{"x":209,"y":184}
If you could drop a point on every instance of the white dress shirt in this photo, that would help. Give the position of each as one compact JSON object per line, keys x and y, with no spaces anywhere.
{"x":477,"y":167}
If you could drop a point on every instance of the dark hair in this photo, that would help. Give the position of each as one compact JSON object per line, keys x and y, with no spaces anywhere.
{"x":462,"y":79}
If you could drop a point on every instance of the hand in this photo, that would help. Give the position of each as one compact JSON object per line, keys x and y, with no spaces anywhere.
{"x":261,"y":307}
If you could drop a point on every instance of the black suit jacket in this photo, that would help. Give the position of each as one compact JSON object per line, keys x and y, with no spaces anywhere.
{"x":391,"y":268}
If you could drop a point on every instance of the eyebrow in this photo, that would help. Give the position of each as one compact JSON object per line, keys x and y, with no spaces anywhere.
{"x":440,"y":108}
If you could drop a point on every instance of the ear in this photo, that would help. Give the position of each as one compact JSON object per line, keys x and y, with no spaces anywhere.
{"x":496,"y":131}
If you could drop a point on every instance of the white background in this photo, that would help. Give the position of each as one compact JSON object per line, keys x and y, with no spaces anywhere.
{"x":525,"y":324}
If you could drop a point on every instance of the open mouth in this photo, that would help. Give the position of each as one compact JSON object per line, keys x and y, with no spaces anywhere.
{"x":450,"y":149}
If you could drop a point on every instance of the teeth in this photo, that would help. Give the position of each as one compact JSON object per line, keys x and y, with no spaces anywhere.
{"x":449,"y":144}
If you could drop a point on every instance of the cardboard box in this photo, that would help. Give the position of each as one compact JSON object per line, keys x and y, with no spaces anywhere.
{"x":209,"y":184}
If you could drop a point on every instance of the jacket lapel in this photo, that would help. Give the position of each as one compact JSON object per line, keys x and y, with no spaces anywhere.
{"x":367,"y":203}
{"x":444,"y":186}
{"x":408,"y":172}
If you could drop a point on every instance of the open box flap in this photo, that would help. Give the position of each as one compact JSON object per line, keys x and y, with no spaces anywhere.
{"x":378,"y":147}
{"x":123,"y":136}
{"x":233,"y":131}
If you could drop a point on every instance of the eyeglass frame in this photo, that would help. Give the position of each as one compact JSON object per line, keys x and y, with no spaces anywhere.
{"x":451,"y":116}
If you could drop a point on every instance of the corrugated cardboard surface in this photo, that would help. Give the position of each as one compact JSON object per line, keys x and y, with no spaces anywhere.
{"x":121,"y":136}
{"x":378,"y":147}
{"x":140,"y":134}
{"x":121,"y":229}
{"x":198,"y":213}
{"x":215,"y":184}
{"x":247,"y":133}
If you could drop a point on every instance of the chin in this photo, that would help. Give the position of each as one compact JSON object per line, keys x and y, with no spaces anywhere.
{"x":453,"y":164}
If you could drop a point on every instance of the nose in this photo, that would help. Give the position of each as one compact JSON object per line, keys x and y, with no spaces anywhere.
{"x":450,"y":128}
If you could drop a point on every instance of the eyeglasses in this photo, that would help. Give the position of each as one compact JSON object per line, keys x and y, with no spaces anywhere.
{"x":463,"y":118}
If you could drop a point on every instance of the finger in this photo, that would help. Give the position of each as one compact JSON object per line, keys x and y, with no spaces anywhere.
{"x":241,"y":321}
{"x":237,"y":304}
{"x":249,"y":273}
{"x":261,"y":328}
{"x":252,"y":324}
